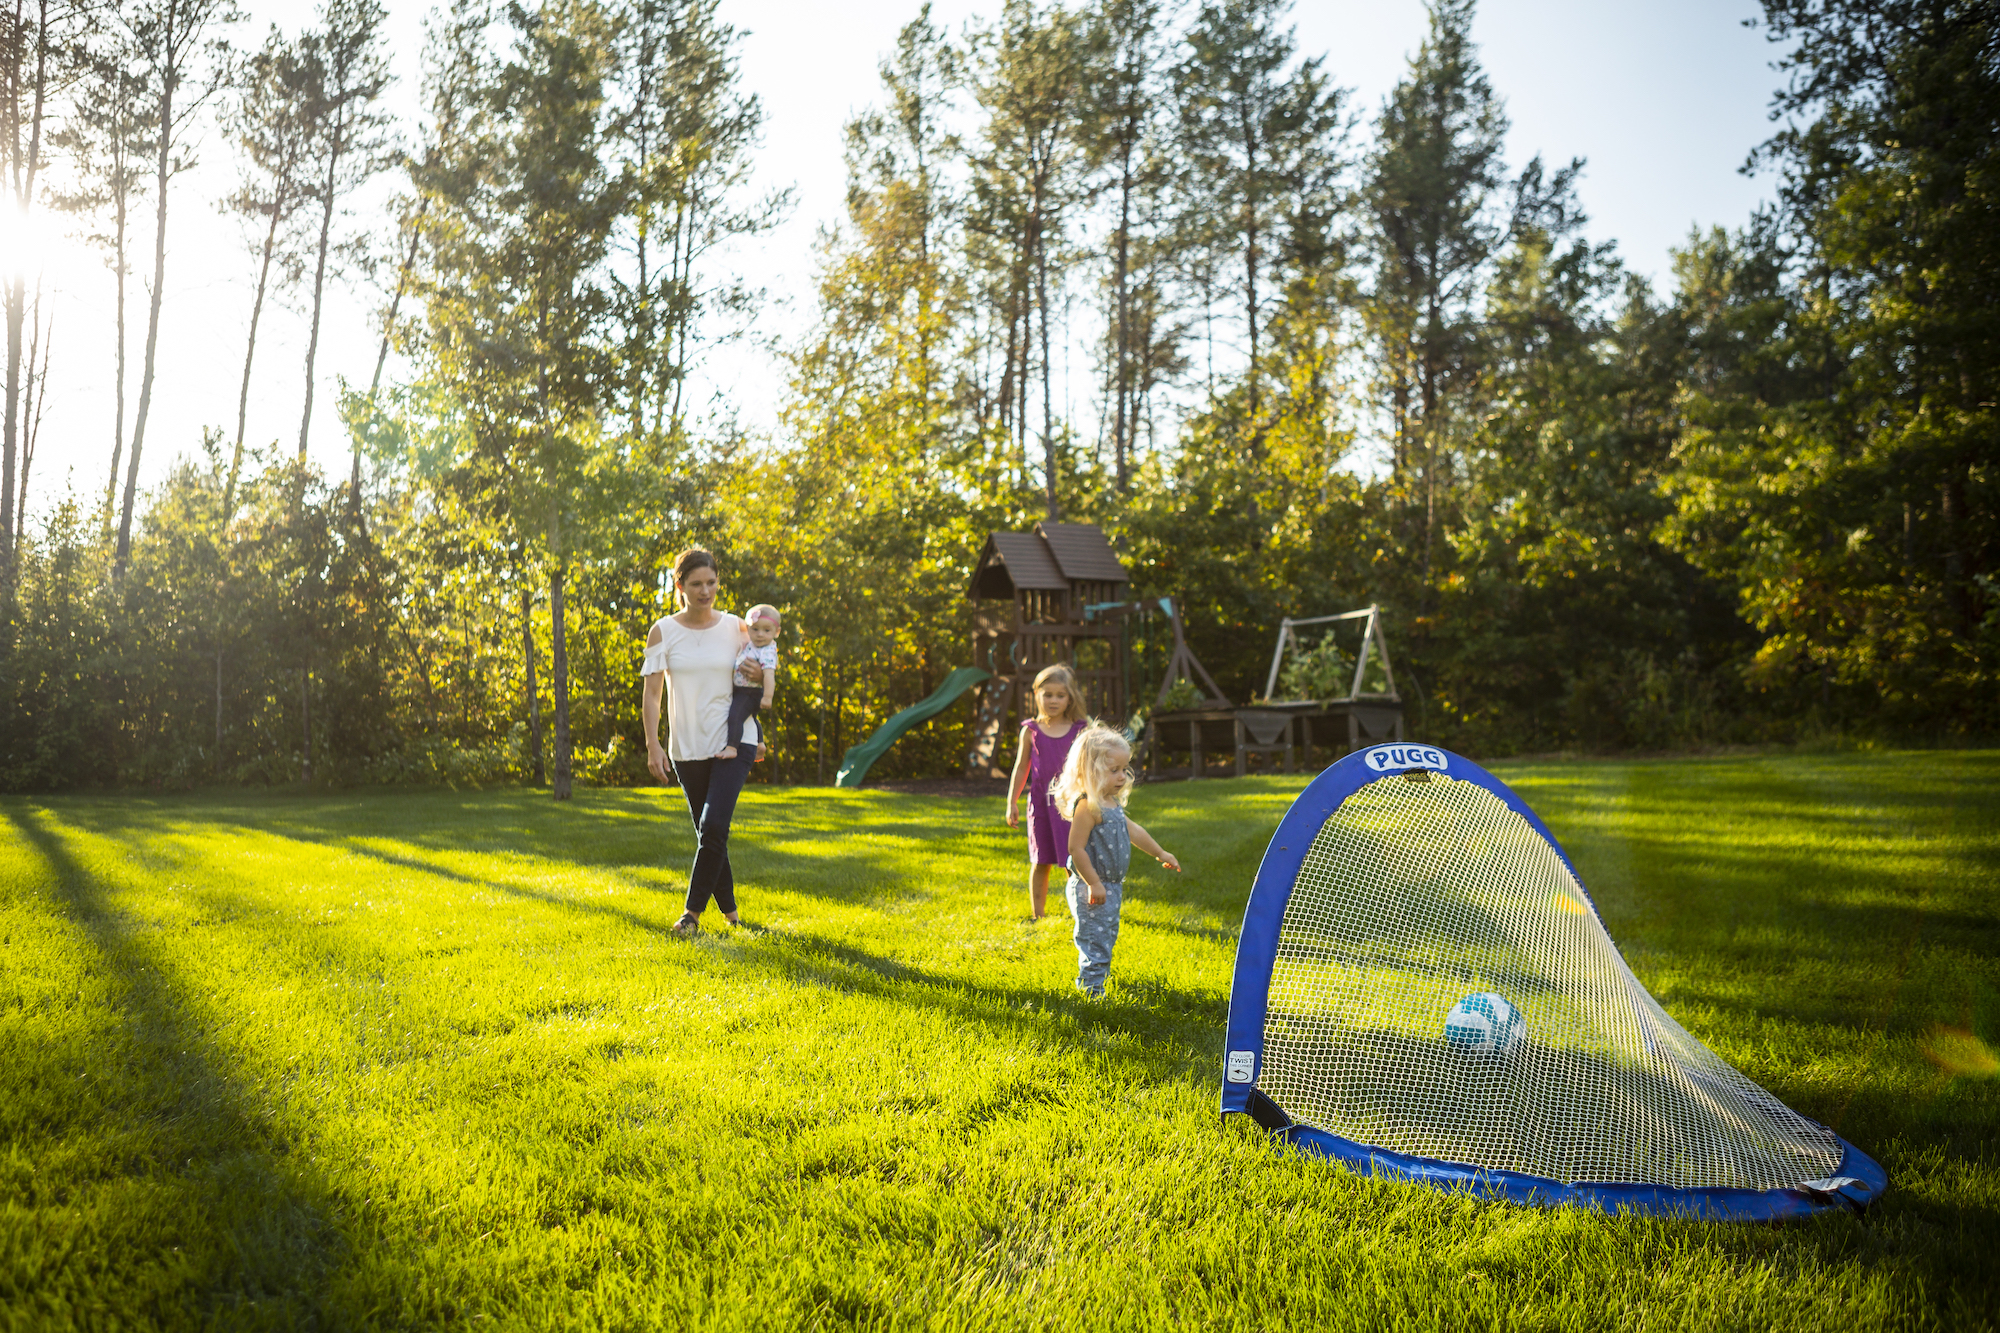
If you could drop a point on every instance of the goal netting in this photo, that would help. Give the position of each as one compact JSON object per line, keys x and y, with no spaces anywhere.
{"x":1424,"y":885}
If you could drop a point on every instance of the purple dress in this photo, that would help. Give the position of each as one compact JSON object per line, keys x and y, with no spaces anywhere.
{"x":1048,"y":831}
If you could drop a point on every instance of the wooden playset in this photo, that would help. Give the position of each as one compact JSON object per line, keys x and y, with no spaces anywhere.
{"x":1059,"y":593}
{"x":1052,"y":584}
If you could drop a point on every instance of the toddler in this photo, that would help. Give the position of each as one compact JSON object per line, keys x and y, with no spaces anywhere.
{"x":760,"y":636}
{"x":1091,"y":792}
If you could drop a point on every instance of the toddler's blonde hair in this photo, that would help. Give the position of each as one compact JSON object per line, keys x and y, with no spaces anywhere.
{"x":761,"y":610}
{"x":1098,"y":753}
{"x":1063,"y":676}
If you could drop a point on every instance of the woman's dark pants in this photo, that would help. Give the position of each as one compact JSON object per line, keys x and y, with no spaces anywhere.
{"x":711,"y":787}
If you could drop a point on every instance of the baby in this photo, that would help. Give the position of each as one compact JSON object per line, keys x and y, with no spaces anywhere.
{"x":760,"y":629}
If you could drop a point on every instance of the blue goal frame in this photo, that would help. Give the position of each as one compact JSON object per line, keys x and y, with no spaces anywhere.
{"x":1858,"y":1181}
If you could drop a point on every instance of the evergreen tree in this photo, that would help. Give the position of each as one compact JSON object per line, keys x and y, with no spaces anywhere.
{"x":347,"y":138}
{"x":185,"y":63}
{"x":271,"y":120}
{"x":1030,"y":85}
{"x":1433,"y":178}
{"x":683,"y":133}
{"x":1258,"y":128}
{"x":1840,"y":470}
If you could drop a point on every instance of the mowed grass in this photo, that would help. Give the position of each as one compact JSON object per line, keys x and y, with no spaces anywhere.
{"x":430,"y":1059}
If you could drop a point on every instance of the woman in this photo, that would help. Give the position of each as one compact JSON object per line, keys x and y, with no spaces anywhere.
{"x":695,"y":651}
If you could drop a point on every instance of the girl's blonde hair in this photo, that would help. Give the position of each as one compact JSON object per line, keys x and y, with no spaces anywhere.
{"x":1063,"y":676}
{"x":1098,"y":753}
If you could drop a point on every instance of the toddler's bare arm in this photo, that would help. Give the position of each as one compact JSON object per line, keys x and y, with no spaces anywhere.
{"x":1144,"y":842}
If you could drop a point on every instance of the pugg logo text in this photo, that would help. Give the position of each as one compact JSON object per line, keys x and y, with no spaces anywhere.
{"x":1388,"y":758}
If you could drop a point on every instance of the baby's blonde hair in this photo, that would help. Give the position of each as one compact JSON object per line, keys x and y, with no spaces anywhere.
{"x":1098,"y":753}
{"x":1063,"y":676}
{"x":761,"y":610}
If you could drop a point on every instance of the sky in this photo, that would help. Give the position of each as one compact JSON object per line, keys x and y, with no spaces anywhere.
{"x":1663,"y":98}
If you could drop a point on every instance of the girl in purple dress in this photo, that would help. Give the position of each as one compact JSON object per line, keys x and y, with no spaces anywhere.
{"x":1045,"y":742}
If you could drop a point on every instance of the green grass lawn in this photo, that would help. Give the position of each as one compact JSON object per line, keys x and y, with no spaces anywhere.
{"x":409,"y":1059}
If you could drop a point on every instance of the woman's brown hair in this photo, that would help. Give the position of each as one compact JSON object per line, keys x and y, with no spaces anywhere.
{"x":686,"y":563}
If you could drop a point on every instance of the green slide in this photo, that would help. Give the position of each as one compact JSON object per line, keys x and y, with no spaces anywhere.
{"x":854,"y":764}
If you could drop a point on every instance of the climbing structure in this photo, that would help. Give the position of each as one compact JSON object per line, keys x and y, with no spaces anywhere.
{"x":1037,"y":597}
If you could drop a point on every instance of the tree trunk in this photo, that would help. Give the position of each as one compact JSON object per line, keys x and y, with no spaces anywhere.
{"x":382,"y":357}
{"x":1048,"y":406}
{"x":1250,"y":254}
{"x":1121,"y":283}
{"x":215,"y":761}
{"x":534,"y":694}
{"x":25,"y":171}
{"x":396,"y":302}
{"x":306,"y":708}
{"x":16,"y":309}
{"x":319,"y":284}
{"x":643,"y":353}
{"x":161,"y":174}
{"x":1951,"y":509}
{"x":250,"y":355}
{"x":559,"y":677}
{"x":118,"y":427}
{"x":32,"y":432}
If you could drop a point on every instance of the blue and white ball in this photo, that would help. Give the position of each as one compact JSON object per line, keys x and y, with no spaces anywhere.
{"x":1484,"y":1024}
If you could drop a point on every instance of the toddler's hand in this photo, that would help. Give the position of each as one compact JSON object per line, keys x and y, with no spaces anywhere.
{"x":1013,"y":815}
{"x":1096,"y":898}
{"x":1167,"y":859}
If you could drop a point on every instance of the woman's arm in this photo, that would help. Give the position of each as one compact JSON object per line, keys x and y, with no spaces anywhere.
{"x":1081,"y":823}
{"x":1018,"y":779}
{"x":1144,"y":842}
{"x":656,"y":758}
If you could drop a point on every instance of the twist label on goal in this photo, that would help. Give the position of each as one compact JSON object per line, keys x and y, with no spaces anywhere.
{"x":1395,"y":758}
{"x":1242,"y":1066}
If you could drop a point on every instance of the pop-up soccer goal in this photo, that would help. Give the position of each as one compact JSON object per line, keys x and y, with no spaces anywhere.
{"x":1424,"y":990}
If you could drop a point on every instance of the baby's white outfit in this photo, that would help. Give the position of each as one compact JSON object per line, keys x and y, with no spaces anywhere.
{"x":766,"y":657}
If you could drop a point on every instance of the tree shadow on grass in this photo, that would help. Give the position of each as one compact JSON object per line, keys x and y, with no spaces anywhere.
{"x":1175,"y":1033}
{"x":791,"y":854}
{"x":239,"y":1231}
{"x":1153,"y":1013}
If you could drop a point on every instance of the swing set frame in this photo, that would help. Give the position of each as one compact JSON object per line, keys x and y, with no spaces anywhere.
{"x":1371,"y":639}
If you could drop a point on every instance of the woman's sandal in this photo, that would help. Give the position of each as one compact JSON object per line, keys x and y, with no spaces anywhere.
{"x":688,"y":926}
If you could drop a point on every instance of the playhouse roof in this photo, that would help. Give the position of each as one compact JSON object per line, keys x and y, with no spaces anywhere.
{"x":1083,"y":553}
{"x":1050,"y":559}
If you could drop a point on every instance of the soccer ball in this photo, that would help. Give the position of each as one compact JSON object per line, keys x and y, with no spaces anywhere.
{"x":1484,"y":1024}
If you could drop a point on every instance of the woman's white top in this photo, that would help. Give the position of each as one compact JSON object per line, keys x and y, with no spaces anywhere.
{"x":700,"y":664}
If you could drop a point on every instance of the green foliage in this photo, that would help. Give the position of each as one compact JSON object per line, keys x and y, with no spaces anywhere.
{"x":1319,"y":672}
{"x":424,"y":1058}
{"x":1754,"y":506}
{"x":1836,"y":469}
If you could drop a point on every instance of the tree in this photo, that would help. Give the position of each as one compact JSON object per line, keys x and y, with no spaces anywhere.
{"x":271,"y":122}
{"x":184,"y":64}
{"x":521,"y":221}
{"x":1126,"y":51}
{"x":104,"y":139}
{"x":34,"y":397}
{"x":682,"y":132}
{"x":1030,"y":85}
{"x":1256,"y":134}
{"x":36,"y":63}
{"x":348,"y":142}
{"x":1433,"y":179}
